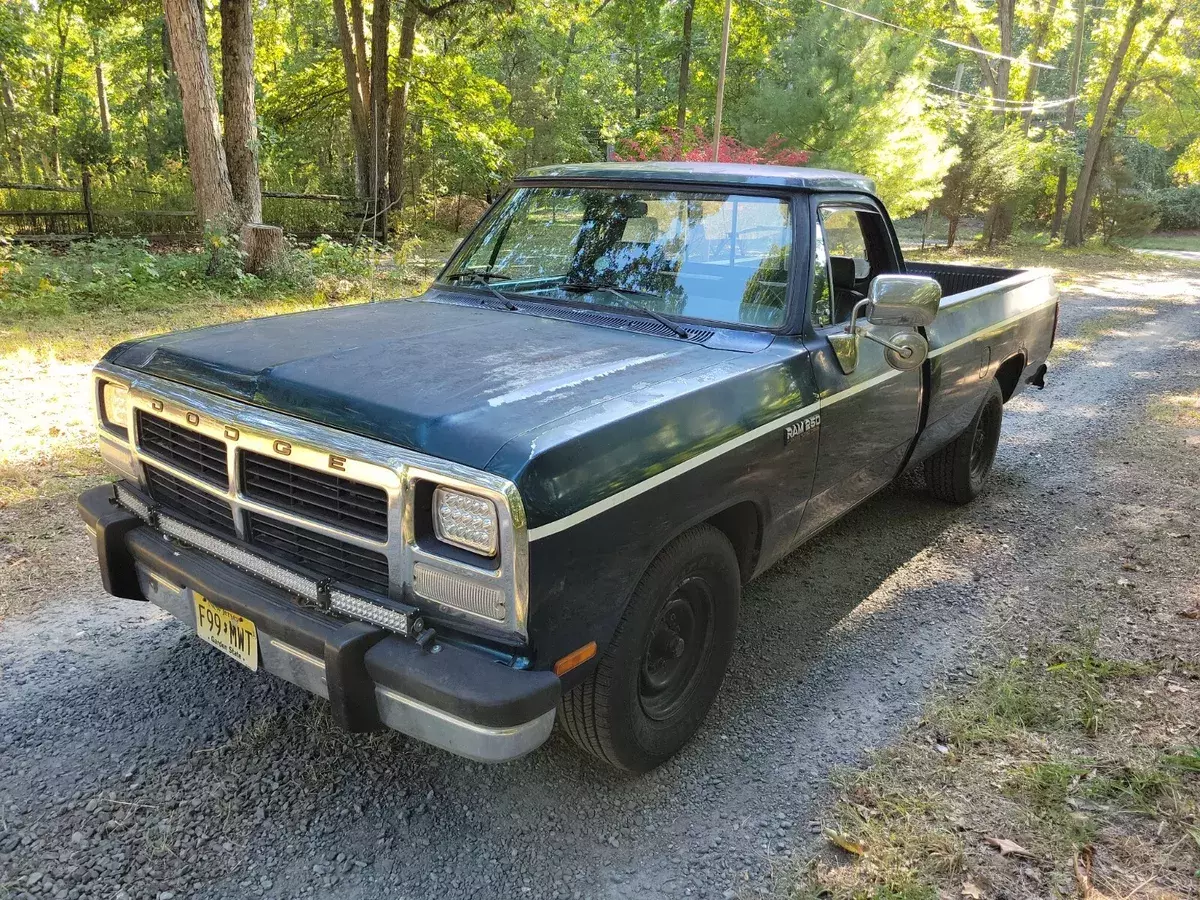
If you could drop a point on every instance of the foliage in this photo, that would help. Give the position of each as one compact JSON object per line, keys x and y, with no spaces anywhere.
{"x":1179,"y":208}
{"x":1124,"y":211}
{"x":499,"y":87}
{"x":117,"y":274}
{"x":694,"y":145}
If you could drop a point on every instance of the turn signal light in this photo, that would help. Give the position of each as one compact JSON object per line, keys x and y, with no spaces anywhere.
{"x":575,"y":658}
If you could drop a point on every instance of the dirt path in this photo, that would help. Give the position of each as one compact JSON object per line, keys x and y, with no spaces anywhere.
{"x":133,"y":759}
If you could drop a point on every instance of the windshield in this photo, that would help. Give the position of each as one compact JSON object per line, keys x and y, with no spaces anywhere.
{"x":709,"y":256}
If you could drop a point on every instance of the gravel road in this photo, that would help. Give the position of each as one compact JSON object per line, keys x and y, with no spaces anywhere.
{"x":136,"y":762}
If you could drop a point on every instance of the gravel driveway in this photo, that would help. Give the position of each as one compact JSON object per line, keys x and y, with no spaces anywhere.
{"x":137,"y":762}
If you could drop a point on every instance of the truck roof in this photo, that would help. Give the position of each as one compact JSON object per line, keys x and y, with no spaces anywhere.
{"x":706,"y":173}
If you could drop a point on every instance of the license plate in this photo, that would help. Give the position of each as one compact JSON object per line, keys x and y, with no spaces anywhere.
{"x":227,"y":631}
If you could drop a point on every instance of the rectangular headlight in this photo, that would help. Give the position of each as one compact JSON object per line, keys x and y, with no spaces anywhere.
{"x":114,"y":405}
{"x":466,"y":521}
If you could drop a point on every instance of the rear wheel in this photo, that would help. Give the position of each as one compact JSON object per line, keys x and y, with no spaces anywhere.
{"x":658,"y":677}
{"x":957,"y":472}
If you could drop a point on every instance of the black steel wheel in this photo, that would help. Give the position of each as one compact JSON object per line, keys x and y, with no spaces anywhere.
{"x":679,"y":639}
{"x":958,"y":471}
{"x":661,"y":672}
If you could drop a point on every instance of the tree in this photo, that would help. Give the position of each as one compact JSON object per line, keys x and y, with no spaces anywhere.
{"x":215,"y":206}
{"x":241,"y":119}
{"x":358,"y":87}
{"x":685,"y":61}
{"x":1075,"y":231}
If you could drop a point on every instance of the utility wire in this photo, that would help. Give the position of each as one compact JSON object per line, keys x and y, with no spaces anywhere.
{"x":928,"y":37}
{"x":1010,"y":105}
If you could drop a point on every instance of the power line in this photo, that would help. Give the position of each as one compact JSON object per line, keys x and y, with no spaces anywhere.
{"x":1009,"y":105}
{"x":929,"y":37}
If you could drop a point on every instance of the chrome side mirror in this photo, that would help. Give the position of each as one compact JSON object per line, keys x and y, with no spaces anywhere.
{"x":909,"y":301}
{"x":905,"y":301}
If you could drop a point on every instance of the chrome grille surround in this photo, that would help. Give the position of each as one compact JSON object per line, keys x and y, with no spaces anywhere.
{"x":397,"y":471}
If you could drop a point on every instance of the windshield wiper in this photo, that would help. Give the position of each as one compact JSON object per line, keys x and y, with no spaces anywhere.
{"x":584,"y":287}
{"x":481,"y":279}
{"x":479,"y":274}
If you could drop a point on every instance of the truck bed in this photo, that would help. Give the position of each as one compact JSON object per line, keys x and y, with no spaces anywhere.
{"x":956,"y":279}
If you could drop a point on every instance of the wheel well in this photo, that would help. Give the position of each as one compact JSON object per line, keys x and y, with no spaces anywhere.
{"x":1009,"y":373}
{"x":740,"y":524}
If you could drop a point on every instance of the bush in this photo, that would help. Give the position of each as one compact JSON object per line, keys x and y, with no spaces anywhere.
{"x":1178,"y":208}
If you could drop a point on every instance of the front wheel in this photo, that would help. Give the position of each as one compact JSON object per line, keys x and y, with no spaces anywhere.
{"x":658,"y":677}
{"x":956,"y":473}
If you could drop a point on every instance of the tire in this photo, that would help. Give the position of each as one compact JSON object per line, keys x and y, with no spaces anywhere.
{"x":664,"y":666}
{"x":957,"y":472}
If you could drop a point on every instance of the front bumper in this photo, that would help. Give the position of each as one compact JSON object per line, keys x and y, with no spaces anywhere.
{"x":452,"y":697}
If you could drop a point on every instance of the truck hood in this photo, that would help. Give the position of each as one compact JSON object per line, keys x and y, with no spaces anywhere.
{"x":452,"y":381}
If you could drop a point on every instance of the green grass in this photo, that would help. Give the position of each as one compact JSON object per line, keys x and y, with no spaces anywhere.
{"x":1167,"y":241}
{"x":1046,"y":749}
{"x":73,"y":304}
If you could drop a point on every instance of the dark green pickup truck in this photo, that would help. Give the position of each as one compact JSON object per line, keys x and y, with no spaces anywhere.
{"x":535,"y":491}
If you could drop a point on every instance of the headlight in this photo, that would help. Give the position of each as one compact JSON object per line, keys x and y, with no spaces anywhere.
{"x":465,"y":520}
{"x":114,"y":405}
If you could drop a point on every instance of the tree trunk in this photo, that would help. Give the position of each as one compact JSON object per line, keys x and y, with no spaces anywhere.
{"x":206,"y":154}
{"x":241,"y":119}
{"x":1076,"y":228}
{"x":360,"y":53}
{"x":355,"y":82}
{"x":1034,"y":52}
{"x":262,"y":247}
{"x":1005,"y":16}
{"x":10,"y":109}
{"x":56,"y":95}
{"x":1060,"y":193}
{"x":399,"y":110}
{"x":685,"y":65}
{"x":101,"y":90}
{"x":380,"y":21}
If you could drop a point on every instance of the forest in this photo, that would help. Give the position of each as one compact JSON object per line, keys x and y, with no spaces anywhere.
{"x":1079,"y":119}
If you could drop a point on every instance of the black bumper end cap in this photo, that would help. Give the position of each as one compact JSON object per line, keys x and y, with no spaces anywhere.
{"x":111,"y":524}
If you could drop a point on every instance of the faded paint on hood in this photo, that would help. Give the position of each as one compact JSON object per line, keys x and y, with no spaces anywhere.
{"x":451,"y":381}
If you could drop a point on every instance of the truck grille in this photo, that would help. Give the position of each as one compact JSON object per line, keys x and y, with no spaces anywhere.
{"x":188,"y":450}
{"x":322,"y":555}
{"x":336,"y":501}
{"x":198,"y":506}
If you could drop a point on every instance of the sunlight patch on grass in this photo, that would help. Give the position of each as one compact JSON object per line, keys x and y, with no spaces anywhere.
{"x":1047,"y":750}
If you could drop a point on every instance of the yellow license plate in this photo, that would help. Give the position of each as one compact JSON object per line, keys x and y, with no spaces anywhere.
{"x":227,"y":631}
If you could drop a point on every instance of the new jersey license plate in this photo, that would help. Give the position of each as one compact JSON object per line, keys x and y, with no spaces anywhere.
{"x":227,"y":631}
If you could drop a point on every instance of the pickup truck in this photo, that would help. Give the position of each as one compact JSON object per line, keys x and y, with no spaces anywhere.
{"x":535,"y":492}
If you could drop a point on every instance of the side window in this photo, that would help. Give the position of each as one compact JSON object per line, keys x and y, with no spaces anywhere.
{"x":855,"y":244}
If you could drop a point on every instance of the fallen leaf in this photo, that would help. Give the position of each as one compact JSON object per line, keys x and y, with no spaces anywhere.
{"x":972,"y":890}
{"x":845,"y":842}
{"x":1007,"y":847}
{"x":1192,"y":613}
{"x":1173,"y":688}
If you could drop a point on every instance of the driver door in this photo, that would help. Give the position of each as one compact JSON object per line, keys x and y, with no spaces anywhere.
{"x":869,"y":417}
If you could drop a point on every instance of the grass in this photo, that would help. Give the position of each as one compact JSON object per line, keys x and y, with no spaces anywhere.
{"x":1042,"y":750}
{"x":1182,"y":240}
{"x":76,"y":303}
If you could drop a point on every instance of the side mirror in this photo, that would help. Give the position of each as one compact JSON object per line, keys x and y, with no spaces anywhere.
{"x":909,"y":301}
{"x":899,"y":301}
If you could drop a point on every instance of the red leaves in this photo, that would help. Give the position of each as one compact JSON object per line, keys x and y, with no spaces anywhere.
{"x":671,"y":144}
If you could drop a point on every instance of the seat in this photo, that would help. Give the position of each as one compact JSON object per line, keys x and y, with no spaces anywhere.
{"x":842,"y":270}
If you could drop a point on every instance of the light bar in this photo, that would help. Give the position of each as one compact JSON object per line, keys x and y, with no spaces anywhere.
{"x":256,"y":565}
{"x":132,"y":501}
{"x":384,"y":617}
{"x":399,"y":621}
